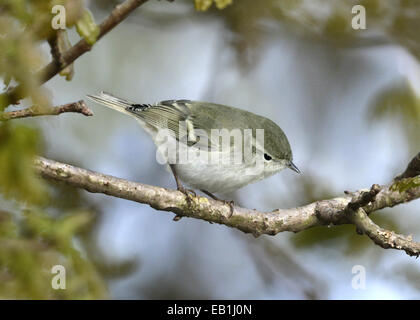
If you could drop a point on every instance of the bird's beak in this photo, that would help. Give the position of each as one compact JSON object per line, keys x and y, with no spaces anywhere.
{"x":293,"y":167}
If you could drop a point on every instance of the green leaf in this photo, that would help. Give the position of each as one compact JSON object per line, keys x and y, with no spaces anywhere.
{"x":31,"y":245}
{"x":18,"y":146}
{"x":204,"y":5}
{"x":221,"y":4}
{"x":87,"y":28}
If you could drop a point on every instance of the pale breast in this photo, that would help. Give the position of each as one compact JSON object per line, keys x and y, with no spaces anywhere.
{"x":215,"y":178}
{"x":216,"y":172}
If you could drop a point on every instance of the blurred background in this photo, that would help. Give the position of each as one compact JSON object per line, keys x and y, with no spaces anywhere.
{"x":347,"y":99}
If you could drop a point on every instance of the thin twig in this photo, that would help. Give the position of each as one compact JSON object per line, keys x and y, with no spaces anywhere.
{"x":34,"y":111}
{"x":59,"y":44}
{"x":120,"y":12}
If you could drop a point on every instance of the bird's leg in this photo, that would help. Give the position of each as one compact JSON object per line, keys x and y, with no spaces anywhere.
{"x":181,"y":188}
{"x":179,"y":185}
{"x":231,"y":203}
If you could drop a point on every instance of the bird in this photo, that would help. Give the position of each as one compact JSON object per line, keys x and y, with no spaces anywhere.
{"x":190,"y":126}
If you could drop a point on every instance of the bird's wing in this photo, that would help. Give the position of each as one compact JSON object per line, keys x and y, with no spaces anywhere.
{"x":175,"y":115}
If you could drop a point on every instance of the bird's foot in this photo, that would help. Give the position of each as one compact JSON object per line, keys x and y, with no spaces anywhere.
{"x":185,"y":191}
{"x":231,"y":204}
{"x":188,"y":193}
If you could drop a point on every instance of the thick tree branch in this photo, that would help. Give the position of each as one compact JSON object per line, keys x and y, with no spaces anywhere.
{"x":34,"y":111}
{"x":120,"y":12}
{"x":324,"y":212}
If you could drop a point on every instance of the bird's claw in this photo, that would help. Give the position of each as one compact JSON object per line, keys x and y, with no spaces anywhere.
{"x":231,"y":204}
{"x":187,"y":192}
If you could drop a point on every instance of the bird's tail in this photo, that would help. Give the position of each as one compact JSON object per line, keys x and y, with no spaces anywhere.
{"x":111,"y":101}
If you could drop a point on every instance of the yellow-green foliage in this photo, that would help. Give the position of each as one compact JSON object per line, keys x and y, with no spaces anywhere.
{"x":87,"y":28}
{"x":32,"y":241}
{"x":29,"y":249}
{"x":23,"y":25}
{"x":203,"y":5}
{"x":18,"y":145}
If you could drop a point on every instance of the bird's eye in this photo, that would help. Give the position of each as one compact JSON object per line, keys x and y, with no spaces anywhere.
{"x":267,"y":157}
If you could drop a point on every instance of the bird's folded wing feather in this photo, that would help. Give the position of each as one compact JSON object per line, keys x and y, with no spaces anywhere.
{"x":175,"y":115}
